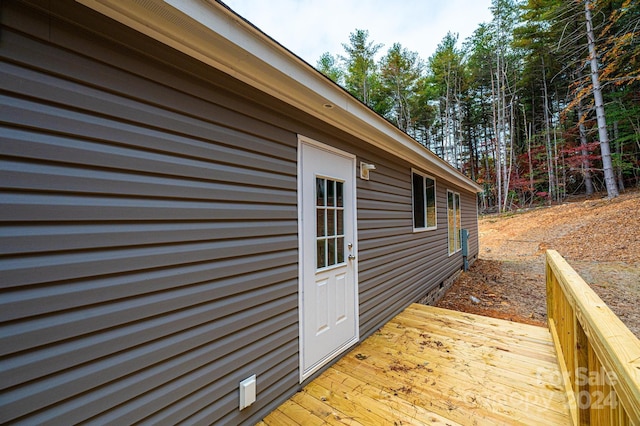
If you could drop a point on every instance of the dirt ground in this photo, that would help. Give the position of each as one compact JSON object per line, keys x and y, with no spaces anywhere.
{"x":600,"y":239}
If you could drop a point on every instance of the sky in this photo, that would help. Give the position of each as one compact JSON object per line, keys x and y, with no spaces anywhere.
{"x":309,"y":28}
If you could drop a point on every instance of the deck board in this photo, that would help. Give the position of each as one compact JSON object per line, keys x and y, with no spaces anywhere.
{"x":432,"y":366}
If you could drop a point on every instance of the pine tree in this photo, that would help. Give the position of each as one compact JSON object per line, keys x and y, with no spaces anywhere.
{"x":400,"y":72}
{"x":329,"y":66}
{"x":361,"y":70}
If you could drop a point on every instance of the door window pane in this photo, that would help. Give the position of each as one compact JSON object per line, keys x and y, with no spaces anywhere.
{"x":321,"y":253}
{"x":321,"y":228}
{"x":320,"y":184}
{"x":331,"y":193}
{"x":331,"y":222}
{"x":332,"y":251}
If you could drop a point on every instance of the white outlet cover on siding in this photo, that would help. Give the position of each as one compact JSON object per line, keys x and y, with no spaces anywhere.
{"x":247,"y":392}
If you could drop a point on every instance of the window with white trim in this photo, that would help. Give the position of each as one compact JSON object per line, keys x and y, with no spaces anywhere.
{"x":424,"y":201}
{"x":454,"y":220}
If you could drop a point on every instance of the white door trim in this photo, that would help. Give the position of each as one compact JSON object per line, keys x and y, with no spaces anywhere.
{"x":302,"y":140}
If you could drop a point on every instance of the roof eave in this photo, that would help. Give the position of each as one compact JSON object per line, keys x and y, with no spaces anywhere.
{"x":211,"y":33}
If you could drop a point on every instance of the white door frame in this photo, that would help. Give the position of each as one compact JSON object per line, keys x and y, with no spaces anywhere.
{"x":302,"y":140}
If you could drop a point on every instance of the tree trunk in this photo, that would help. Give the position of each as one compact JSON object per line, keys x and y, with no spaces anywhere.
{"x":508,"y":170}
{"x":472,"y":144}
{"x":532,"y":187}
{"x":485,"y":126}
{"x":556,"y":155}
{"x":502,"y":118}
{"x":586,"y":164}
{"x":497,"y":157}
{"x":586,"y":167}
{"x":619,"y":152}
{"x":607,"y":165}
{"x":550,"y":162}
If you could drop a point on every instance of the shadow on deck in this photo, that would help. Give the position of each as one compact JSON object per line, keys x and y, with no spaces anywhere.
{"x":431,"y":366}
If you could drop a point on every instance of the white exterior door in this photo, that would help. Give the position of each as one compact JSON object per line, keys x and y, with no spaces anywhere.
{"x":328,"y":268}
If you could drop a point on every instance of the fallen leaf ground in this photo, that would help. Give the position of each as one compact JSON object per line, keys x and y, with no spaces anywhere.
{"x":600,"y":238}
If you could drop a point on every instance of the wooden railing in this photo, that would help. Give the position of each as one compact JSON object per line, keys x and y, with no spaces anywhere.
{"x":598,"y":354}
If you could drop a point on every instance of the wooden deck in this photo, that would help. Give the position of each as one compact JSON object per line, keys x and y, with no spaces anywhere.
{"x":431,"y":366}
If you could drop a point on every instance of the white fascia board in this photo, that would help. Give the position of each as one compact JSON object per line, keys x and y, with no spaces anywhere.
{"x":211,"y":33}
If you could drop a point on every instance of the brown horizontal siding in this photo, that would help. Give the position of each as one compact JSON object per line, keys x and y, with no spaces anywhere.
{"x":149,"y":234}
{"x":397,"y":265}
{"x":469,"y":205}
{"x":29,"y":238}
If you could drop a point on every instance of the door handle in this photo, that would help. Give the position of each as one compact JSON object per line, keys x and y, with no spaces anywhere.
{"x":352,"y":257}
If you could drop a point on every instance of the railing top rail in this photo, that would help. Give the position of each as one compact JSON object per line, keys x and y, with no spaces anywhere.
{"x":615,"y":345}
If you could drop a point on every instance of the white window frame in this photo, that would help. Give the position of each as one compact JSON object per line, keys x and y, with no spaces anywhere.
{"x":424,"y":207}
{"x":457,"y":224}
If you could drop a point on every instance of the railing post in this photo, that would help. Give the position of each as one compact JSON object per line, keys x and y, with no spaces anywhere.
{"x":551,"y":300}
{"x":581,"y":385}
